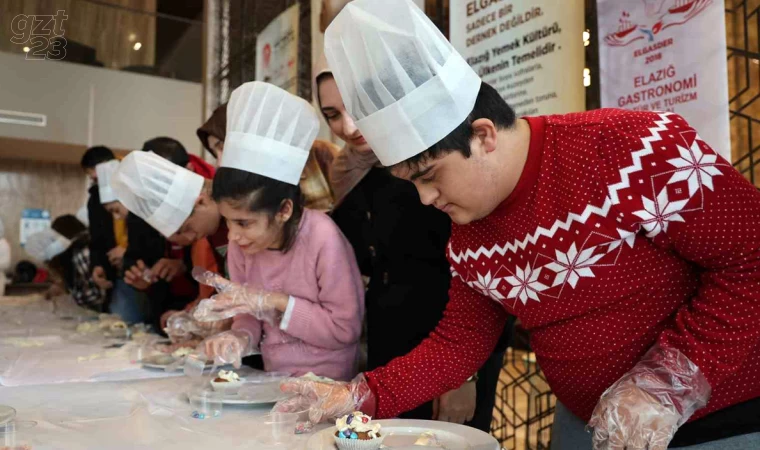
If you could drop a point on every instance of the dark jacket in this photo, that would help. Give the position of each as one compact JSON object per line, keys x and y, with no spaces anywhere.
{"x":148,"y":245}
{"x":401,"y":245}
{"x":102,"y":238}
{"x":145,"y":243}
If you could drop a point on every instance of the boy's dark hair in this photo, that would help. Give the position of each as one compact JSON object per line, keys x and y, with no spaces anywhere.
{"x":68,"y":226}
{"x":169,"y":149}
{"x":258,"y":193}
{"x":96,"y":155}
{"x":488,"y":105}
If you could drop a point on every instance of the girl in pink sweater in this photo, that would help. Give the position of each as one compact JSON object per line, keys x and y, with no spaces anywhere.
{"x":296,"y":291}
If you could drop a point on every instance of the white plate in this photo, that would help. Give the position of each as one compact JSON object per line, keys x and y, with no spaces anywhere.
{"x":253,"y":395}
{"x":402,"y":433}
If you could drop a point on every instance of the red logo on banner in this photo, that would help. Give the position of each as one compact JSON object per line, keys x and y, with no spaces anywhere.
{"x":660,"y":15}
{"x":267,"y":54}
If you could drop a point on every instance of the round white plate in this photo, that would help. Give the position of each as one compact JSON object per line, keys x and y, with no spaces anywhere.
{"x":6,"y":414}
{"x":402,"y":433}
{"x":253,"y":395}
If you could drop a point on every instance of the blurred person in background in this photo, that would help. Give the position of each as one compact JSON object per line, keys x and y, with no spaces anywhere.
{"x":153,"y":264}
{"x":213,"y":132}
{"x":5,"y":258}
{"x":64,"y":248}
{"x":145,"y":182}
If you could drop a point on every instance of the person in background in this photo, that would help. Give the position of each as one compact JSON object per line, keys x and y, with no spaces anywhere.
{"x":130,"y":304}
{"x":64,"y":249}
{"x":5,"y":258}
{"x":155,"y":265}
{"x":145,"y":182}
{"x":400,"y":245}
{"x":213,"y":132}
{"x":295,"y":289}
{"x":104,"y":231}
{"x":72,"y":266}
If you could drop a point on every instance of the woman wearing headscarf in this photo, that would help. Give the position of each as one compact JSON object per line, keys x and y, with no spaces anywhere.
{"x":400,"y":245}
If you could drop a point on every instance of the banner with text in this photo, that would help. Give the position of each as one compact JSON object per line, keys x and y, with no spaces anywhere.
{"x":530,"y":51}
{"x":277,"y":51}
{"x":667,"y":55}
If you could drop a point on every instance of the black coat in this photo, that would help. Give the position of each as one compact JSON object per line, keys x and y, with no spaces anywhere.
{"x":400,"y":244}
{"x":102,"y":238}
{"x":145,"y":243}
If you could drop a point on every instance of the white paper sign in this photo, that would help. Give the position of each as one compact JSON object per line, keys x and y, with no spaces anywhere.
{"x":530,"y":51}
{"x":33,"y":221}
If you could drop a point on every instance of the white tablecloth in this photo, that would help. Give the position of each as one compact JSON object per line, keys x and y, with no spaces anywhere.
{"x":133,"y":415}
{"x":37,"y":347}
{"x":84,"y":396}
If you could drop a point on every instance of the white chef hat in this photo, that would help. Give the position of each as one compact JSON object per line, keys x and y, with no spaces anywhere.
{"x":156,"y":190}
{"x":105,"y":172}
{"x":46,"y":244}
{"x":269,"y":132}
{"x":400,"y":79}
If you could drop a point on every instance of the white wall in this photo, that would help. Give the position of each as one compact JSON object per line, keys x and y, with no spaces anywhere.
{"x":93,"y":106}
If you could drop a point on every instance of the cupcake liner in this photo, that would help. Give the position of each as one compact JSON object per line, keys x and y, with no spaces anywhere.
{"x":358,"y":444}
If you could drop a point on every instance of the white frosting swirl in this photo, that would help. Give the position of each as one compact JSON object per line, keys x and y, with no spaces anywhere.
{"x":228,"y":375}
{"x":182,"y":352}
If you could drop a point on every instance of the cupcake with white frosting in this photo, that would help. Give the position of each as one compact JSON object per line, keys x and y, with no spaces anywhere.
{"x":227,"y":381}
{"x":356,"y":431}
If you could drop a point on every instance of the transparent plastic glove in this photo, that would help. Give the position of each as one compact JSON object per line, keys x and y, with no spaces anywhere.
{"x":227,"y":348}
{"x":232,"y":299}
{"x":645,"y":407}
{"x":325,"y":400}
{"x":181,"y":326}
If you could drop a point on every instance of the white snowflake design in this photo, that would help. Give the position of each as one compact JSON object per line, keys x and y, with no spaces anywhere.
{"x":695,"y":167}
{"x":571,"y":266}
{"x":627,"y":237}
{"x":525,"y":284}
{"x":488,"y":286}
{"x":656,"y":215}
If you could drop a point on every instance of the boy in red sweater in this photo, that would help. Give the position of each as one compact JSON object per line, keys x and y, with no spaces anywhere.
{"x":623,"y":243}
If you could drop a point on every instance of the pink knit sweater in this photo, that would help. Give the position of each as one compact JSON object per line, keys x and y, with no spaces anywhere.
{"x":320,"y":331}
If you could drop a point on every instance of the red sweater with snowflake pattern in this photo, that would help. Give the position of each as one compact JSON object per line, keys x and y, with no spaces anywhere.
{"x":625,"y":229}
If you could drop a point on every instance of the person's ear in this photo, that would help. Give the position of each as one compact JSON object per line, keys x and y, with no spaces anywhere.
{"x":484,"y":136}
{"x":286,"y":211}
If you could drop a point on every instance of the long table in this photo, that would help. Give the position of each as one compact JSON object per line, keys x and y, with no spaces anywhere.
{"x":83,"y":395}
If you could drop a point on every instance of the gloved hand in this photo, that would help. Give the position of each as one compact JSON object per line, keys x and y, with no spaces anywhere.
{"x":234,"y":299}
{"x":228,"y":347}
{"x":645,"y":407}
{"x":326,"y":400}
{"x":181,"y":326}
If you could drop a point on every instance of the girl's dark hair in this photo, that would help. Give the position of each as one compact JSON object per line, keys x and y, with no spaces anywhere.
{"x":258,"y":193}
